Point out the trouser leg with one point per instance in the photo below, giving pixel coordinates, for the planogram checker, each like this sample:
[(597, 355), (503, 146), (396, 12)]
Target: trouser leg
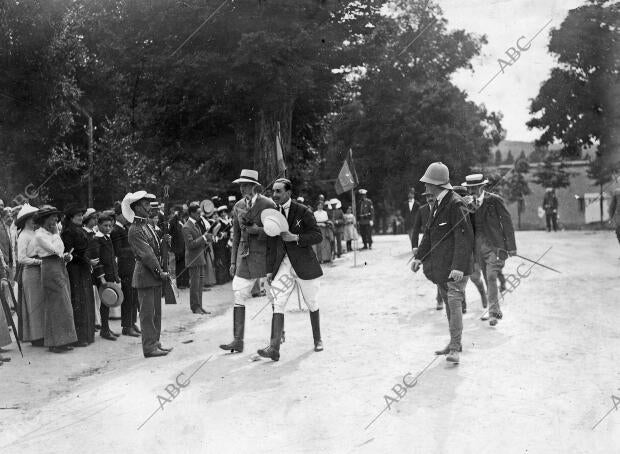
[(493, 265), (195, 287), (104, 312), (150, 317), (456, 295)]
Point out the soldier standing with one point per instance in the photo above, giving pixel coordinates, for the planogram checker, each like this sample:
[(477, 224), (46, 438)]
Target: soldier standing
[(366, 215)]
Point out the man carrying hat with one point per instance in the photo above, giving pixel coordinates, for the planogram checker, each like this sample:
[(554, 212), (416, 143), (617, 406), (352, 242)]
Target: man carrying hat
[(494, 237), (148, 273), (365, 216), (447, 251), (246, 269), (291, 261)]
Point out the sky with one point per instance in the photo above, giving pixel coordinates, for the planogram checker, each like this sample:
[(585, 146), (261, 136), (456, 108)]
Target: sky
[(504, 22)]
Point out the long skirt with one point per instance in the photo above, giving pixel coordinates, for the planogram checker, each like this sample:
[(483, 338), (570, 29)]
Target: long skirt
[(210, 269), (83, 301), (323, 250), (33, 323), (59, 326), (5, 335), (221, 255)]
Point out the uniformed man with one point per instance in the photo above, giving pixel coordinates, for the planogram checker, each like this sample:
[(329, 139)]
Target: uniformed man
[(494, 237), (148, 273), (291, 261), (365, 215), (447, 251)]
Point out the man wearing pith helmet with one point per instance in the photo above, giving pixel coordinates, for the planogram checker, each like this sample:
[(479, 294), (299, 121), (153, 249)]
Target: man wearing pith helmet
[(447, 251)]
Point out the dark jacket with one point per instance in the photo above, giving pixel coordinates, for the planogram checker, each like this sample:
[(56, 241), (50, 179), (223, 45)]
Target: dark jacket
[(122, 249), (493, 223), (254, 265), (176, 234), (550, 203), (366, 213), (337, 217), (107, 266), (76, 238), (410, 214), (195, 244), (146, 249), (448, 241), (421, 218), (301, 222)]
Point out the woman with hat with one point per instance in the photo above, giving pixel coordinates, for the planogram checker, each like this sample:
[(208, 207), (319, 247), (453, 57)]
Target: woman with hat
[(80, 269), (59, 331), (323, 250), (31, 290)]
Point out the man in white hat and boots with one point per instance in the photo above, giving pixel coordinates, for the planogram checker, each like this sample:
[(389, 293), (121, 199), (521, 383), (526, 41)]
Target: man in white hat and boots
[(336, 215), (148, 274), (291, 261), (365, 216), (446, 251), (246, 269), (494, 237)]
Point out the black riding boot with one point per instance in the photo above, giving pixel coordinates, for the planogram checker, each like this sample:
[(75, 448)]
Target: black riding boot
[(316, 331), (238, 330), (273, 350)]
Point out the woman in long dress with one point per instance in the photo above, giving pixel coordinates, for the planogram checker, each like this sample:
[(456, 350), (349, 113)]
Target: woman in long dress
[(80, 275), (350, 233), (323, 250), (58, 314), (33, 324)]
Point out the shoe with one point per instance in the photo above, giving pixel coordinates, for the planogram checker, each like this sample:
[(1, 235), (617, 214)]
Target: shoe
[(4, 360), (453, 357), (57, 350), (439, 306), (130, 332), (493, 320), (37, 343), (80, 344), (200, 311), (154, 353), (108, 335), (66, 347), (114, 334), (446, 350), (238, 328), (164, 349), (316, 331), (365, 247), (273, 350), (485, 316), (136, 329)]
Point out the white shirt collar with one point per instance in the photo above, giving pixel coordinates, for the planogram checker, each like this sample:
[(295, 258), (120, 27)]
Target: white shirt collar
[(287, 205), (481, 198), (441, 195), (88, 229)]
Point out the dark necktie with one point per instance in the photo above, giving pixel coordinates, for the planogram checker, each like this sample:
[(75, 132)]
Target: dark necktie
[(435, 206)]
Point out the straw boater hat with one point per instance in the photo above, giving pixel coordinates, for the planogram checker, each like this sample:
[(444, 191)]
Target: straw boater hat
[(475, 179), (129, 199), (437, 174), (363, 191), (111, 294), (46, 211), (90, 212), (247, 176), (335, 203), (25, 213), (273, 222), (207, 207), (222, 208)]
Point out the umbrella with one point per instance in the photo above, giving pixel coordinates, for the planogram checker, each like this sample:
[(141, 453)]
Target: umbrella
[(7, 310)]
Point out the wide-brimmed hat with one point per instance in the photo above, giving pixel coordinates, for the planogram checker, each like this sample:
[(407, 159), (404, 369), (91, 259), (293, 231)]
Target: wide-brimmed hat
[(247, 176), (300, 199), (222, 208), (72, 209), (437, 174), (335, 203), (475, 179), (128, 200), (111, 294), (46, 211), (363, 191), (27, 211), (207, 207), (273, 222)]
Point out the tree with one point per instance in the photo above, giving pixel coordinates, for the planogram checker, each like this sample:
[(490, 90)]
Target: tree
[(552, 174), (498, 157), (539, 153), (577, 105), (509, 158), (602, 174), (522, 156)]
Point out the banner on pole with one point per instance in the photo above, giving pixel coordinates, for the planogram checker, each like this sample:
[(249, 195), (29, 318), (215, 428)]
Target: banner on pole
[(347, 178)]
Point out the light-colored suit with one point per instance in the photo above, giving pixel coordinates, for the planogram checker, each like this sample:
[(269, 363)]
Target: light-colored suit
[(195, 244)]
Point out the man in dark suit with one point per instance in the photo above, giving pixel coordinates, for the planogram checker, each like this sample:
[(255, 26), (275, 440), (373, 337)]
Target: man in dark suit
[(291, 261), (195, 243), (366, 215), (410, 211), (495, 237), (126, 264), (550, 205), (447, 251), (178, 248), (148, 273)]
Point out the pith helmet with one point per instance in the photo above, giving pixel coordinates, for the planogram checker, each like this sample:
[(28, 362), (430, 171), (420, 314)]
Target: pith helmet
[(437, 174)]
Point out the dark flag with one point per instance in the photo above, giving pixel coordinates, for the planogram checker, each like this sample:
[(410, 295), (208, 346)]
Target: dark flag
[(347, 178)]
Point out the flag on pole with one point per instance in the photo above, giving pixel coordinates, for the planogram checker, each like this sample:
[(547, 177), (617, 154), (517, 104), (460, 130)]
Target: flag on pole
[(347, 178), (280, 154)]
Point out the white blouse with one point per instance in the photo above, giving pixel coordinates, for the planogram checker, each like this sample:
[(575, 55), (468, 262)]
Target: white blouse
[(27, 248), (321, 216), (48, 244)]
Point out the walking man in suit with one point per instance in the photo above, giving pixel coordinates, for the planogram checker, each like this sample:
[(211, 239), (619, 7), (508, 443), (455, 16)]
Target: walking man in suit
[(447, 251), (291, 260), (366, 215), (246, 269), (494, 237), (126, 264), (148, 272), (195, 261), (410, 210)]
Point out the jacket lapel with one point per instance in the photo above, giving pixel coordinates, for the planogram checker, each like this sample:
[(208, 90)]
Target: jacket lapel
[(441, 207)]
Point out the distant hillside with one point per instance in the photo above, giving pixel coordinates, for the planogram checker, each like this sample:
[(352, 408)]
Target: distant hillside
[(516, 147)]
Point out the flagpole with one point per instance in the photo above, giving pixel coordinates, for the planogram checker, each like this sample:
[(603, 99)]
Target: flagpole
[(355, 227)]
